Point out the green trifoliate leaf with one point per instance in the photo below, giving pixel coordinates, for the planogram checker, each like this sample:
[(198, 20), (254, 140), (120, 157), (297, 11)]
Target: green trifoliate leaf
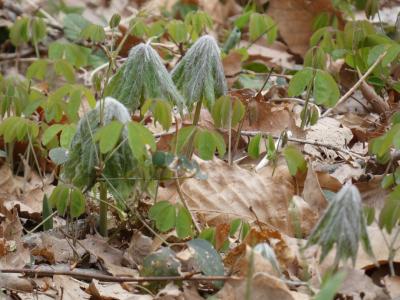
[(84, 152), (342, 224), (200, 75), (142, 77)]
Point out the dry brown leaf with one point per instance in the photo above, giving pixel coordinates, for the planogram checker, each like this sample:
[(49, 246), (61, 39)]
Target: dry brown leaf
[(70, 288), (220, 11), (230, 191), (110, 257), (275, 55), (312, 192), (112, 291), (263, 287), (232, 66), (302, 216), (327, 131), (221, 234), (272, 118), (139, 247), (346, 172), (295, 19), (392, 285), (358, 286)]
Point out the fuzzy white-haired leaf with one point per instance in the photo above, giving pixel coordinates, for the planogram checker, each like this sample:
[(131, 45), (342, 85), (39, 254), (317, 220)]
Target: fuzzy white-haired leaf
[(342, 224), (84, 152), (143, 76), (200, 74)]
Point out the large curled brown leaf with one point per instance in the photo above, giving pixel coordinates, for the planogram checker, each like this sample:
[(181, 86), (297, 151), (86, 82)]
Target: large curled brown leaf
[(295, 19), (230, 191)]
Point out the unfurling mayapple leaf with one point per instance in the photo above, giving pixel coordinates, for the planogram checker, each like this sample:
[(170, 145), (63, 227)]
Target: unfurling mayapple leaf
[(84, 152), (143, 76), (200, 74), (342, 224)]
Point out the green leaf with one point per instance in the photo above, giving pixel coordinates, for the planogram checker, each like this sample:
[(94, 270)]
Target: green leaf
[(219, 143), (391, 54), (155, 210), (108, 136), (315, 58), (207, 259), (77, 203), (254, 146), (138, 137), (37, 70), (331, 286), (19, 32), (67, 134), (185, 134), (64, 68), (234, 227), (390, 214), (161, 263), (114, 21), (295, 160), (299, 82), (221, 111), (93, 32), (184, 223), (59, 198), (177, 30), (58, 155), (326, 90), (166, 220), (260, 25), (73, 25), (208, 234), (51, 132), (205, 144), (38, 30), (162, 113), (46, 213)]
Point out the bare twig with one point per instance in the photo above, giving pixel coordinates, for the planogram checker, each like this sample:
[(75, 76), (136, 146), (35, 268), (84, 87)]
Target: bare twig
[(108, 278), (307, 142), (358, 83)]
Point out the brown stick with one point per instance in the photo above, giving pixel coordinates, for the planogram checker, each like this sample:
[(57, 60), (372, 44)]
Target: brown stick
[(358, 83), (109, 278)]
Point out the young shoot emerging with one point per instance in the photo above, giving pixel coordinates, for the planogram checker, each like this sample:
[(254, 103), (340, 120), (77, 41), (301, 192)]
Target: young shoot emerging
[(342, 224), (82, 166), (143, 76), (200, 74)]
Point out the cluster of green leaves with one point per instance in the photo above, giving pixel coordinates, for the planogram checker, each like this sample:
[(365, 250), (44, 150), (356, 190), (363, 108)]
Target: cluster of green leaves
[(26, 30), (168, 216), (343, 224), (68, 199)]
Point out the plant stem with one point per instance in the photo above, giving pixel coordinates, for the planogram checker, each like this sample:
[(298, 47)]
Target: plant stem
[(103, 209), (196, 119)]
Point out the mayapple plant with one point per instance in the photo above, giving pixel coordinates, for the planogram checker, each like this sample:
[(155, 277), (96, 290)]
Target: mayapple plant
[(93, 156), (200, 74), (143, 76), (342, 224)]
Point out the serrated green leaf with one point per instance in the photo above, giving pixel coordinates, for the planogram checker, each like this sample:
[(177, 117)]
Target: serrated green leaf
[(177, 30), (185, 135), (37, 70), (299, 82), (108, 136), (59, 198), (166, 220), (38, 30), (77, 203), (94, 33), (73, 26), (19, 32), (51, 132), (184, 223), (64, 68), (155, 210), (138, 137), (295, 160), (162, 114), (326, 90), (254, 146)]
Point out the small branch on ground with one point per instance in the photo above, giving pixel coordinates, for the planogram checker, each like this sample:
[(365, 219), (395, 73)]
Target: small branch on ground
[(358, 83), (109, 278)]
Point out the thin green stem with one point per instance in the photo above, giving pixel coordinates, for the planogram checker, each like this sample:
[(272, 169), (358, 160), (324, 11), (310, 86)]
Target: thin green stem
[(103, 209)]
